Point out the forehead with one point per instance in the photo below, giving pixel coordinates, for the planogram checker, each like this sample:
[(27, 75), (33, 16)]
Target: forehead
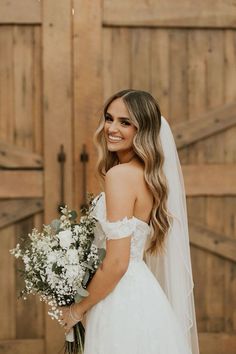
[(118, 108)]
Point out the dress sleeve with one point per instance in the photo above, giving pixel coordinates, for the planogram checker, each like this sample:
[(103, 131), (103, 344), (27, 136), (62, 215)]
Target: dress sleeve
[(107, 229), (118, 229)]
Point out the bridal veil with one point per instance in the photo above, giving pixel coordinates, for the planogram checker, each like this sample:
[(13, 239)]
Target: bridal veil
[(173, 268)]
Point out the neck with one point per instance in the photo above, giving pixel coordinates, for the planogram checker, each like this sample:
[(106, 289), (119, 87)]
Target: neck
[(126, 159)]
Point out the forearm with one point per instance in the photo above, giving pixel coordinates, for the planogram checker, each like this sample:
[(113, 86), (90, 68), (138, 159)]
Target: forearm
[(103, 282)]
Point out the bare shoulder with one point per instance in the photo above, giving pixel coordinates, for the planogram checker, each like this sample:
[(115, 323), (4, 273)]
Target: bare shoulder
[(120, 192), (125, 177), (123, 170)]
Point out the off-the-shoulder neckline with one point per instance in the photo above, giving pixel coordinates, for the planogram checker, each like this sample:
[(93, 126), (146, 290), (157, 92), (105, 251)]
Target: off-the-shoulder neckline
[(140, 220)]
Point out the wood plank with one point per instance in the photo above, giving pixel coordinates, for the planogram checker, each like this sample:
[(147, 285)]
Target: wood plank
[(214, 148), (197, 91), (197, 85), (230, 157), (207, 239), (7, 284), (37, 95), (140, 59), (6, 84), (159, 68), (230, 65), (183, 13), (121, 59), (178, 89), (12, 156), (88, 97), (21, 184), (217, 343), (196, 210), (24, 346), (57, 114), (13, 12), (107, 62), (23, 84), (197, 45), (17, 209), (213, 122), (206, 179)]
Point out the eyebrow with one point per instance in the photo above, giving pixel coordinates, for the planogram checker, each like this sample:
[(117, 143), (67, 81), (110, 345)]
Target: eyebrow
[(127, 118)]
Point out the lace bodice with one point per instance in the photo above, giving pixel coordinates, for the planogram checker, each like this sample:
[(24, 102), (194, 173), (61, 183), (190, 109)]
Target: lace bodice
[(105, 230)]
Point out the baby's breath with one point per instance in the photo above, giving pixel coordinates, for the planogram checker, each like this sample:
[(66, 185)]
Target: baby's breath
[(57, 260)]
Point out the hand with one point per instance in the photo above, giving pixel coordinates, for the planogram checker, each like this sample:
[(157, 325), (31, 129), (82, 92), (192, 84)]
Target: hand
[(70, 316)]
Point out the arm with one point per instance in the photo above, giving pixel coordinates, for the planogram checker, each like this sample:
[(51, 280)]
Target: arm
[(120, 199)]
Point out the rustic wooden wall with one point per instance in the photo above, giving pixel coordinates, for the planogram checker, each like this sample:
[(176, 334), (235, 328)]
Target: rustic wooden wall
[(21, 191), (59, 61)]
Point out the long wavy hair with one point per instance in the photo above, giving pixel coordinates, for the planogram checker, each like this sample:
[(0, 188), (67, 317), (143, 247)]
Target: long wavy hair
[(145, 115)]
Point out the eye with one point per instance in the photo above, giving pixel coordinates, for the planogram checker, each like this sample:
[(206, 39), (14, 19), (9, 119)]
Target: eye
[(125, 123), (108, 117)]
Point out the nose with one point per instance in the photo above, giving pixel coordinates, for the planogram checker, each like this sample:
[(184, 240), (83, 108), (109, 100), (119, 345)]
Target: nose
[(113, 126)]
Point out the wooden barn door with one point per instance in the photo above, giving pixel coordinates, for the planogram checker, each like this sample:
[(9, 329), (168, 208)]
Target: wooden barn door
[(35, 153), (59, 61), (184, 53)]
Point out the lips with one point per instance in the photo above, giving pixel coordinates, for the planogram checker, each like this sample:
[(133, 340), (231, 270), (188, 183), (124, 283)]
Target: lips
[(114, 139)]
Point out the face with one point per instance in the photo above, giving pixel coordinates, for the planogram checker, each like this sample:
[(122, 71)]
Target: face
[(118, 129)]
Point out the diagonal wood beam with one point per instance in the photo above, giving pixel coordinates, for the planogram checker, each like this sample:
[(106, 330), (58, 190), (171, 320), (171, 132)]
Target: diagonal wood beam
[(213, 122), (203, 237), (17, 209), (13, 157)]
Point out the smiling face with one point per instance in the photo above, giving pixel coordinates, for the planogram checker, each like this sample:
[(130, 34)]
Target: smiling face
[(118, 129)]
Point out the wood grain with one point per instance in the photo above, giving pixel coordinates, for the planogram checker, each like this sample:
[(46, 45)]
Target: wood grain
[(11, 11), (17, 209), (12, 156), (204, 179), (24, 346), (21, 184), (87, 105), (213, 122), (209, 240), (57, 119), (7, 284), (184, 13)]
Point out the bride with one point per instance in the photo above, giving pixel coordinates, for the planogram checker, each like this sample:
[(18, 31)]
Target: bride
[(141, 297)]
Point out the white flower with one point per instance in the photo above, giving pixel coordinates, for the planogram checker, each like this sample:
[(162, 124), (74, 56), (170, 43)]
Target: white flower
[(72, 272), (52, 257), (72, 256), (65, 238)]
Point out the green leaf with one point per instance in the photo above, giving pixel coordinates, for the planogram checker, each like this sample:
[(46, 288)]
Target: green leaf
[(86, 277), (56, 269), (78, 298), (55, 224), (73, 214), (81, 293), (87, 265), (101, 253)]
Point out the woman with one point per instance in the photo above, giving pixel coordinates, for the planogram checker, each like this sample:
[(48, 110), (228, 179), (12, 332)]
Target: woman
[(141, 215)]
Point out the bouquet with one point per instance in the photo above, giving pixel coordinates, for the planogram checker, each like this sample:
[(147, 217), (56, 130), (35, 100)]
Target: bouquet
[(58, 264)]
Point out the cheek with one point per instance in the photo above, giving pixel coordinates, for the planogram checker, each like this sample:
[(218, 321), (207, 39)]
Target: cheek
[(131, 133)]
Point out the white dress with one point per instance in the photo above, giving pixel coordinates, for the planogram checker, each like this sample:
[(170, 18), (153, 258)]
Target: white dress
[(136, 317)]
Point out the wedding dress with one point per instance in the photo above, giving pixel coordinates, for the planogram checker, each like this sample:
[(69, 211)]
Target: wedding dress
[(136, 317)]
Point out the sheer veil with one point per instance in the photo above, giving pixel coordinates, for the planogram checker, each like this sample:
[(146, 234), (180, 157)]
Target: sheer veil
[(173, 269)]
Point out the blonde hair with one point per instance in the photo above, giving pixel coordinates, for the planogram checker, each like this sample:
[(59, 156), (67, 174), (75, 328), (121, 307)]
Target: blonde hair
[(145, 115)]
